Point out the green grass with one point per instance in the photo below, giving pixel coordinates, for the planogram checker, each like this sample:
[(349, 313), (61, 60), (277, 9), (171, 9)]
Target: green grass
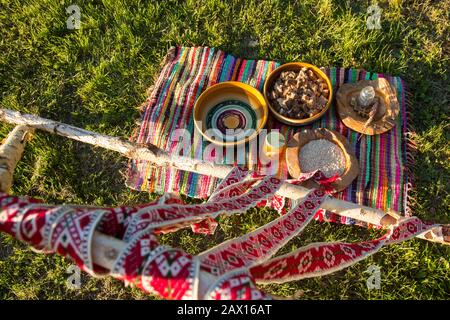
[(96, 78)]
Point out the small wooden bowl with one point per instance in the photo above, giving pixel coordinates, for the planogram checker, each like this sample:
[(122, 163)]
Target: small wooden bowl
[(387, 112), (301, 138), (295, 66), (229, 105)]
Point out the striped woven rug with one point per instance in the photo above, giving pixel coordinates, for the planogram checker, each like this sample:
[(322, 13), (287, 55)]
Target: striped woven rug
[(383, 180)]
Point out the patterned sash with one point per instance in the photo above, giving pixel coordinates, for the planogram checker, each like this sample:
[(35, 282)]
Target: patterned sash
[(228, 271)]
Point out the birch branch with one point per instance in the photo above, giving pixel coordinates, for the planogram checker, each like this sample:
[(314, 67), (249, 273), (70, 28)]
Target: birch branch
[(10, 153), (106, 249), (161, 158)]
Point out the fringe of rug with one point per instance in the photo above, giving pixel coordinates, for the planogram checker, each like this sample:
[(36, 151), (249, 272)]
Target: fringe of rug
[(170, 55), (411, 152)]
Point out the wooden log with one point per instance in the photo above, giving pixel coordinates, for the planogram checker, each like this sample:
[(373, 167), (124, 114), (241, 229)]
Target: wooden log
[(106, 249), (10, 153), (161, 158)]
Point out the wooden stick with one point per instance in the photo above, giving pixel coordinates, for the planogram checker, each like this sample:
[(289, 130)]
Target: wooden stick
[(106, 249), (10, 153), (161, 158)]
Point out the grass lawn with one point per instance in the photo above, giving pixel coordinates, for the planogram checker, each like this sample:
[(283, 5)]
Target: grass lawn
[(96, 77)]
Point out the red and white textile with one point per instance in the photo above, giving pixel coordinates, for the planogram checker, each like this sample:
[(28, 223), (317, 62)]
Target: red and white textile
[(229, 270)]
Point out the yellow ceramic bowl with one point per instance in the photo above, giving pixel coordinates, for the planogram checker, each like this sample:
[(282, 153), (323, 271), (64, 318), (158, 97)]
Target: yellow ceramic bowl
[(295, 66), (230, 113)]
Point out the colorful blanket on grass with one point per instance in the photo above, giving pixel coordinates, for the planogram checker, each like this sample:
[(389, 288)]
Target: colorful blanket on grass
[(384, 177)]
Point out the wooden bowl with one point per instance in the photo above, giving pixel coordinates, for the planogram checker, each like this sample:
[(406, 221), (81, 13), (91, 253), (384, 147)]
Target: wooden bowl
[(387, 112), (301, 138), (295, 66), (230, 105)]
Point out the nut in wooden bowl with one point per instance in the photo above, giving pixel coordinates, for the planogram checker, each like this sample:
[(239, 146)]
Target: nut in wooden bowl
[(298, 93), (322, 147)]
